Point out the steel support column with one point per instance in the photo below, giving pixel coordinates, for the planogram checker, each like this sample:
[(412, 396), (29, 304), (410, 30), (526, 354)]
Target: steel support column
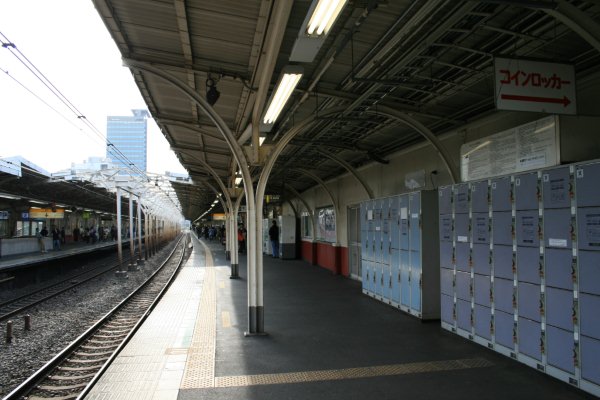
[(132, 260)]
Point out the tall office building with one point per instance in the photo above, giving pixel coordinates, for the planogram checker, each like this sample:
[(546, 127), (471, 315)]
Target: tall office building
[(129, 135)]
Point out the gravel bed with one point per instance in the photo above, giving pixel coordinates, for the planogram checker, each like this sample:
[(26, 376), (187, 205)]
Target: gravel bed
[(61, 320)]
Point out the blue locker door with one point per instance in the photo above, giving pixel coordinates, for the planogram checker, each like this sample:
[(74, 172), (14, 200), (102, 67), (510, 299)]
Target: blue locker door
[(588, 228), (559, 308), (479, 197), (501, 190), (504, 329), (528, 228), (461, 198), (447, 309), (445, 199), (379, 279), (586, 183), (461, 228), (589, 272), (589, 322), (590, 359), (387, 282), (559, 272), (527, 191), (558, 228), (480, 258), (560, 347), (481, 290), (530, 338), (480, 228), (372, 278), (503, 295), (395, 276), (463, 314), (415, 221), (502, 228), (378, 231), (404, 215), (394, 223), (385, 232), (503, 259), (528, 264), (415, 281), (463, 285), (367, 275), (404, 278), (529, 297), (463, 257), (556, 188), (447, 282), (446, 255), (446, 228), (482, 318), (363, 217)]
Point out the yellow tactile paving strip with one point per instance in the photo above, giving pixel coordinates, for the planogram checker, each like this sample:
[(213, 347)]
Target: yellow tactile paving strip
[(350, 373), (200, 365)]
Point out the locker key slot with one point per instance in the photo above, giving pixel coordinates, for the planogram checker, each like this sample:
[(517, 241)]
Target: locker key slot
[(542, 344), (574, 312), (515, 336), (514, 299), (492, 325), (542, 310), (574, 271), (576, 354), (541, 267)]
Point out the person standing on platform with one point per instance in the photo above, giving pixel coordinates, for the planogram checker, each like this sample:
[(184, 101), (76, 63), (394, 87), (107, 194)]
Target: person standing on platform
[(241, 239), (55, 239), (40, 239), (63, 237), (274, 238)]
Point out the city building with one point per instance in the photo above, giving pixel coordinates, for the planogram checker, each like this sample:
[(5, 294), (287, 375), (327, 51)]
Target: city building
[(127, 141)]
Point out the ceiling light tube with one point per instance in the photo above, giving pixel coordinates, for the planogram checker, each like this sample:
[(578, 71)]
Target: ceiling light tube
[(323, 16), (287, 83), (238, 180), (9, 196)]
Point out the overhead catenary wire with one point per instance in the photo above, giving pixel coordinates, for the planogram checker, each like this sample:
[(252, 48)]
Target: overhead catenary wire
[(10, 46)]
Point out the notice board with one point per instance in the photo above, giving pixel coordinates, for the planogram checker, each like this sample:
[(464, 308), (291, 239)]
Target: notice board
[(530, 146)]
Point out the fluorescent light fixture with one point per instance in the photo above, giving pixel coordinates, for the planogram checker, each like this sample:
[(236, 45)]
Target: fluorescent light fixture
[(37, 202), (285, 87), (261, 139), (238, 180), (35, 208), (66, 210), (323, 16), (9, 196)]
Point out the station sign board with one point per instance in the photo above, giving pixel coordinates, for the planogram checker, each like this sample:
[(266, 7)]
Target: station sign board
[(218, 217), (524, 85), (4, 214), (48, 213)]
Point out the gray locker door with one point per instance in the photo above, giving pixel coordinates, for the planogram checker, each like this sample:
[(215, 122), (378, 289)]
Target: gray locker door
[(503, 295), (589, 323), (588, 228), (447, 309), (558, 265), (364, 272), (560, 347), (526, 191), (395, 275), (502, 228), (527, 228), (481, 289), (463, 285), (480, 257), (461, 198), (586, 185), (404, 280), (479, 196), (504, 327), (529, 297), (404, 216), (445, 199), (503, 261), (590, 359), (481, 228), (415, 231), (559, 308), (501, 194), (557, 228), (556, 188), (446, 233), (463, 314), (461, 228), (528, 264), (447, 281), (589, 272), (482, 318), (462, 256), (446, 255), (530, 338)]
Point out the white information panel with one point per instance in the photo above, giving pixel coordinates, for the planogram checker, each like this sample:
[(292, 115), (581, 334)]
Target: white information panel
[(531, 146), (524, 85)]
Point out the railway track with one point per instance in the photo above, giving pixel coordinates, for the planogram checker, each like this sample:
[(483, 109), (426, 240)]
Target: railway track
[(74, 371), (20, 304)]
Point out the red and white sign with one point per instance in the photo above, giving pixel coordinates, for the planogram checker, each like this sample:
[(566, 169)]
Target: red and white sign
[(524, 85)]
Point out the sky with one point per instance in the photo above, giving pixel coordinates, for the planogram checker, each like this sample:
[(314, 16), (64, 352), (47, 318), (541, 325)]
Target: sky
[(67, 41)]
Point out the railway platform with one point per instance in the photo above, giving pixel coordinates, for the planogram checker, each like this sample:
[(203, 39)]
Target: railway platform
[(325, 341)]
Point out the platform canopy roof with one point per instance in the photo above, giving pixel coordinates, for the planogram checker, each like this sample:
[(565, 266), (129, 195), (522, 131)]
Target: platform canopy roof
[(429, 60)]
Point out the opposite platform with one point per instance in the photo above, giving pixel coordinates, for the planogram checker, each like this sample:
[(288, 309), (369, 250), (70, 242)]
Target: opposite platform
[(326, 341)]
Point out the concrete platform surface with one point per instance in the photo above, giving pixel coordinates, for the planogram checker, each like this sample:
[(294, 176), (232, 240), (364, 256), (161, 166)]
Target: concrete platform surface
[(326, 340)]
